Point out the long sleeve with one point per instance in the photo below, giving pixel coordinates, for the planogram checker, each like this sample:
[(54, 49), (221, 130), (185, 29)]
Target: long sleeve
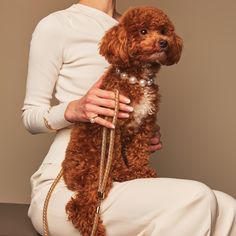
[(45, 61)]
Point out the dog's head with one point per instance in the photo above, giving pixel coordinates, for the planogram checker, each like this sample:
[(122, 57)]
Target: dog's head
[(143, 35)]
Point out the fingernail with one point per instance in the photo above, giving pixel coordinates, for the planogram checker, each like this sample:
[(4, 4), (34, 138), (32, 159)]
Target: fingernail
[(130, 108), (112, 126), (125, 115), (127, 100)]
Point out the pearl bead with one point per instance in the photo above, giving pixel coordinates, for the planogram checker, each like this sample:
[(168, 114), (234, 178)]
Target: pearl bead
[(132, 80), (150, 82), (124, 75), (142, 82)]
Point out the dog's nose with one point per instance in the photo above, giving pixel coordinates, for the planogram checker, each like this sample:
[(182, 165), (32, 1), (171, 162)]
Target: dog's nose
[(163, 44)]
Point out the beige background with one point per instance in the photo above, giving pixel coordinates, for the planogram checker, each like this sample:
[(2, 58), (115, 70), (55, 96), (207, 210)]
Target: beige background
[(198, 112)]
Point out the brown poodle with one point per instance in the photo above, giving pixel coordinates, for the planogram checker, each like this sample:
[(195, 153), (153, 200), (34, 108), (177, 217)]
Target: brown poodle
[(136, 48)]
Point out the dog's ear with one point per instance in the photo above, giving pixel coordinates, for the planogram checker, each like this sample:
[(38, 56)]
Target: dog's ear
[(114, 46), (176, 49)]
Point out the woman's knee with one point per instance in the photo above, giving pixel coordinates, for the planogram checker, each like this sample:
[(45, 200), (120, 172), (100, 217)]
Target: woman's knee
[(203, 197), (204, 191), (226, 203)]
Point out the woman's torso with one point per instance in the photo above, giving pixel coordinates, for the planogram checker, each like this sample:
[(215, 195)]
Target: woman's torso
[(82, 64)]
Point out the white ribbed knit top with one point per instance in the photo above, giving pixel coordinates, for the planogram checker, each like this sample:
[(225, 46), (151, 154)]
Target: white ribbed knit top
[(63, 55)]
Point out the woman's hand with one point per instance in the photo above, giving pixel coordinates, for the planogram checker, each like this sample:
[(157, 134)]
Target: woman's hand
[(97, 102), (155, 142)]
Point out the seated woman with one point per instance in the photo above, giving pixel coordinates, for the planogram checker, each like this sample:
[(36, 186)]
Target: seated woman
[(64, 54)]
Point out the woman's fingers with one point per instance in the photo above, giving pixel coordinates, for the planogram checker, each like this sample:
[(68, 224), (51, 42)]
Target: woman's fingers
[(156, 139), (155, 142), (99, 120), (94, 109), (104, 122), (156, 147), (109, 103), (108, 95), (101, 102), (98, 102)]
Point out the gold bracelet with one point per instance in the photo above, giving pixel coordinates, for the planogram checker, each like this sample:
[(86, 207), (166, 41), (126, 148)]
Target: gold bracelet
[(47, 125)]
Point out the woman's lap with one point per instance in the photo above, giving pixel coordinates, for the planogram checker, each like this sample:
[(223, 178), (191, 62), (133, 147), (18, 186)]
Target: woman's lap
[(153, 206), (150, 207)]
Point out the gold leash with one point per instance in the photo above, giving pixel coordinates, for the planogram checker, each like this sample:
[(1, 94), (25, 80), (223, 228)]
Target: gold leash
[(46, 202), (104, 172)]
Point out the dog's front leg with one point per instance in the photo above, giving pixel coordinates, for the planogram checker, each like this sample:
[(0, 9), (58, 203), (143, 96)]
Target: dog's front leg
[(137, 152)]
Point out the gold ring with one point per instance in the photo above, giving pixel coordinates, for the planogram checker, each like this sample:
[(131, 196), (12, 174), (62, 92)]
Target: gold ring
[(92, 119)]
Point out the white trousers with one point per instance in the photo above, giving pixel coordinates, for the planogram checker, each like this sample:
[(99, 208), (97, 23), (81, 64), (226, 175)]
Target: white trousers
[(142, 207)]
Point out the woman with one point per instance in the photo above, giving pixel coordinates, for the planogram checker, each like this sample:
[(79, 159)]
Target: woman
[(64, 54)]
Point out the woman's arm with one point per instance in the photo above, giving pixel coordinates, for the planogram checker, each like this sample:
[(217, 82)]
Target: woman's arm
[(45, 61)]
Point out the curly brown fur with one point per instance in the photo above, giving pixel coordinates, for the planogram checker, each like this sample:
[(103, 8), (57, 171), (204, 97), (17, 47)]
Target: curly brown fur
[(143, 41)]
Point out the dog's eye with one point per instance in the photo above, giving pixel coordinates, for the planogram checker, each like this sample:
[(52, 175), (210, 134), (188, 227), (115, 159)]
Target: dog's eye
[(143, 31), (163, 31)]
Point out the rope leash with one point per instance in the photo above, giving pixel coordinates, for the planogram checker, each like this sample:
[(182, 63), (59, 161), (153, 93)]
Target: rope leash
[(46, 202), (104, 172)]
